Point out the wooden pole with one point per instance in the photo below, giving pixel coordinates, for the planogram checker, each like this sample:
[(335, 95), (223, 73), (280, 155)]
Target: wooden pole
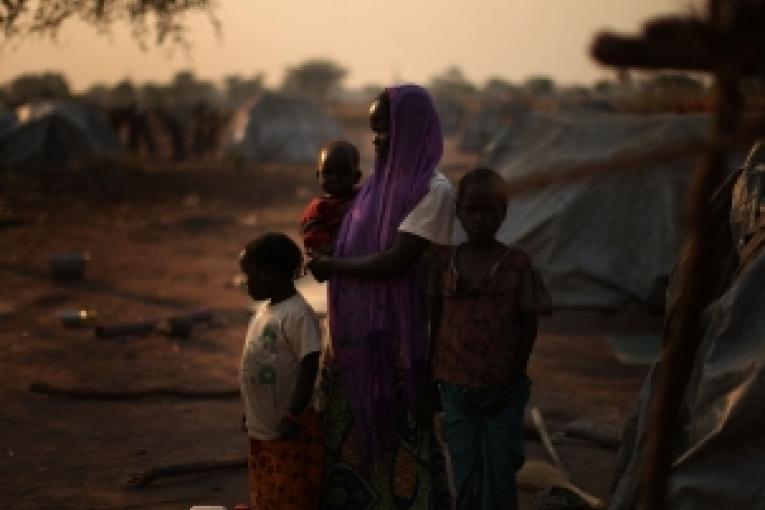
[(697, 288)]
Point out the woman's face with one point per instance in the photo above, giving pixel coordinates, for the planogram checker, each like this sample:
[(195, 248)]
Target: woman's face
[(379, 122)]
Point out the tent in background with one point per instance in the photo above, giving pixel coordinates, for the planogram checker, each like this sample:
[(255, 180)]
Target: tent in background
[(53, 135), (719, 455), (284, 128), (605, 242), (492, 118)]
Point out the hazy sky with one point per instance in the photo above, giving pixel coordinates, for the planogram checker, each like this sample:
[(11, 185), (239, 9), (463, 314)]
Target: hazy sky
[(378, 41)]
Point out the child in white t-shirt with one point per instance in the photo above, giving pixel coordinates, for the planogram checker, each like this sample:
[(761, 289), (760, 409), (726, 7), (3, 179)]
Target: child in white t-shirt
[(278, 372)]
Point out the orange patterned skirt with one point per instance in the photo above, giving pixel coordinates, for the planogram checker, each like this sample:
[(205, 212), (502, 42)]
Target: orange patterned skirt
[(287, 474)]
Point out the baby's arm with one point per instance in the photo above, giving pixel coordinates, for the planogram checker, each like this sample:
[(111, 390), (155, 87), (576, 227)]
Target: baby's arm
[(406, 249), (301, 396)]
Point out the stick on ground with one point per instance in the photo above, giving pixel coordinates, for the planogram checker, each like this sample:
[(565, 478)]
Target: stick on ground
[(536, 418), (536, 475), (82, 393), (154, 473), (599, 433)]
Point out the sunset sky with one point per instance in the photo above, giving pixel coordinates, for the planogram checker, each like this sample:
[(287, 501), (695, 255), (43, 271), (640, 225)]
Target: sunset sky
[(378, 42)]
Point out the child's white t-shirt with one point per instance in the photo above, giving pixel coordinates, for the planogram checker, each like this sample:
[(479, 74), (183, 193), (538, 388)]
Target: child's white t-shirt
[(433, 216), (278, 337)]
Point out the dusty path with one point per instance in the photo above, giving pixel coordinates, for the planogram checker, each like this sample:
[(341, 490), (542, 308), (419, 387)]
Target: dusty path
[(163, 244)]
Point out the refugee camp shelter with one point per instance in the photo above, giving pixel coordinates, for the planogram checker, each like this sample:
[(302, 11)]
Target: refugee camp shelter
[(602, 242), (51, 135), (285, 128), (490, 119), (719, 456)]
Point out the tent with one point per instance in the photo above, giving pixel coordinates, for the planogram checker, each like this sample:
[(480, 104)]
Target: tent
[(719, 454), (54, 135), (490, 119), (285, 128), (606, 242)]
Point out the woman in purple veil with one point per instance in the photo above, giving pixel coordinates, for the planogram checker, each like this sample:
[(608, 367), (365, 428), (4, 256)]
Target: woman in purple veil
[(378, 457)]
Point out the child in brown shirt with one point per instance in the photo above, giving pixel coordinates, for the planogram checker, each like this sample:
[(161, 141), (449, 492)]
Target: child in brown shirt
[(490, 299)]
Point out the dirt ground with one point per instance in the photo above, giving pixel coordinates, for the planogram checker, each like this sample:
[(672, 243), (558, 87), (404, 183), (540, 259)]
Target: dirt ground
[(164, 242)]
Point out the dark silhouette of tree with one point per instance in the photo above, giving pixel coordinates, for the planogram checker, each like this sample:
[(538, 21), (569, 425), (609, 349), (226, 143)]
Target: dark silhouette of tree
[(187, 89), (314, 78), (239, 89), (604, 86), (451, 82), (540, 85), (496, 88), (674, 81), (154, 95), (30, 87), (124, 93), (452, 92), (162, 18), (97, 94)]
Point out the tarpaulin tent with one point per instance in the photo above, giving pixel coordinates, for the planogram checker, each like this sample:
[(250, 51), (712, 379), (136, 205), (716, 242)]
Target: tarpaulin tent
[(719, 454), (601, 242), (285, 128), (54, 135)]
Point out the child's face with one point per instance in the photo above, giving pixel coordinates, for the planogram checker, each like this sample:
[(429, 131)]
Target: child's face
[(259, 282), (481, 212), (336, 175), (379, 123)]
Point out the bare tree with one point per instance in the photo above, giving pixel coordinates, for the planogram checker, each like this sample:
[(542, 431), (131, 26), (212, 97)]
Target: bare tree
[(240, 89), (162, 18), (314, 78), (539, 85), (452, 92), (35, 87)]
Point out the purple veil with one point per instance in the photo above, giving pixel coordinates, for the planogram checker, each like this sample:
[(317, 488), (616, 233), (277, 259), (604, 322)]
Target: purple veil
[(378, 325)]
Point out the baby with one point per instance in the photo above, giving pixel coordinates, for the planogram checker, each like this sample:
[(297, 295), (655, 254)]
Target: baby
[(338, 173)]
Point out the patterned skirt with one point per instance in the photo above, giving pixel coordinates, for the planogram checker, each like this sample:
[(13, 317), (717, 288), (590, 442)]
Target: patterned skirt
[(410, 476), (286, 474)]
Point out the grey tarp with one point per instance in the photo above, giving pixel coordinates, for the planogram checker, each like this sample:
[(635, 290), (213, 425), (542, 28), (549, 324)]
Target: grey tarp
[(286, 129), (482, 126), (606, 242), (720, 457), (53, 135)]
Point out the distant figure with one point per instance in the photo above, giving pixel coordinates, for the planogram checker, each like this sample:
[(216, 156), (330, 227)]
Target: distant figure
[(173, 125), (338, 174), (135, 121), (205, 129), (278, 371), (485, 328)]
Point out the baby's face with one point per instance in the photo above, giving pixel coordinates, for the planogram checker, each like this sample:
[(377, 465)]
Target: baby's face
[(336, 177)]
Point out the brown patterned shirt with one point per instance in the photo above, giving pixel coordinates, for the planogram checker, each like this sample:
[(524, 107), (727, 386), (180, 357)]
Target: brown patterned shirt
[(479, 331)]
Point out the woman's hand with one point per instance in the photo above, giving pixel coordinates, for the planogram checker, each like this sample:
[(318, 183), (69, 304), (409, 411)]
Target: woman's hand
[(320, 267)]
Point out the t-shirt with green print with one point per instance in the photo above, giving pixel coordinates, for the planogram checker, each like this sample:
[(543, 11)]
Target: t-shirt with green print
[(278, 337)]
